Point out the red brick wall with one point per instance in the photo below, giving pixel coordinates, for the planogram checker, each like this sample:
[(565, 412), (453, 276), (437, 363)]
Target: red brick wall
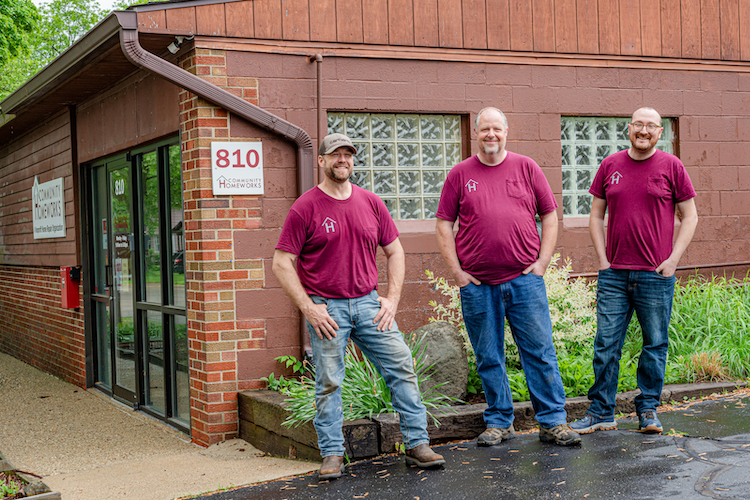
[(229, 347), (34, 328), (712, 110)]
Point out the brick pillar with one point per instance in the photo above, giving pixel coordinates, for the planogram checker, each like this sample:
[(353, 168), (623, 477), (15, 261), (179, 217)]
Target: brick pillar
[(212, 272)]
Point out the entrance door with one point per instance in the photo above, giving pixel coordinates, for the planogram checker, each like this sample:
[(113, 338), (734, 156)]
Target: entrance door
[(113, 285), (138, 299)]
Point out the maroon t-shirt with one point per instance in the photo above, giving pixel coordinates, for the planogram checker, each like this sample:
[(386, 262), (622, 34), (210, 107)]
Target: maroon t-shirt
[(641, 197), (495, 206), (336, 241)]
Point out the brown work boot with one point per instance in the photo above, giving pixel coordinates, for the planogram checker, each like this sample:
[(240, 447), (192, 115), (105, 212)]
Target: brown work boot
[(332, 468), (423, 457)]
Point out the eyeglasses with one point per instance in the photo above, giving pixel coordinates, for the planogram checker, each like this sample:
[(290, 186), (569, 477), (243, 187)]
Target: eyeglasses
[(651, 127)]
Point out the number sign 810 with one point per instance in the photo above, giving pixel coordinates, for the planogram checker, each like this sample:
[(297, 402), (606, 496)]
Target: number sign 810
[(252, 159)]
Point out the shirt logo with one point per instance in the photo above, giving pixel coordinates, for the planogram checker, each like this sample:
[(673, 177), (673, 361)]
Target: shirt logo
[(329, 225), (615, 179), (472, 185)]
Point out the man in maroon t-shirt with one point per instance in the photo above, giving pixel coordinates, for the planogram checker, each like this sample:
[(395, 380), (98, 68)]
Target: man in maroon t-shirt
[(641, 187), (325, 261), (498, 261)]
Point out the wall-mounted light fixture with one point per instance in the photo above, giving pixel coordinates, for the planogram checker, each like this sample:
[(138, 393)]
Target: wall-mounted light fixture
[(174, 47)]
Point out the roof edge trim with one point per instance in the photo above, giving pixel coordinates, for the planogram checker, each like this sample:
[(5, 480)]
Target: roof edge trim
[(102, 32), (176, 5)]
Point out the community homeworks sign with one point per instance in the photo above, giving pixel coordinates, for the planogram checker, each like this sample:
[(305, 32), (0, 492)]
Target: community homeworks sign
[(48, 201), (237, 167)]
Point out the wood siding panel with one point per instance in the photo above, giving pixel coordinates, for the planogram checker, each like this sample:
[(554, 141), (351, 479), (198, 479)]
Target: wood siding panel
[(475, 24), (671, 29), (630, 28), (609, 27), (566, 36), (450, 23), (349, 21), (267, 17), (587, 13), (730, 30), (651, 28), (710, 30), (745, 29), (521, 25), (498, 26), (323, 21), (153, 20), (240, 19), (182, 20), (209, 20), (691, 28), (401, 22), (426, 23), (295, 19), (543, 12), (376, 25)]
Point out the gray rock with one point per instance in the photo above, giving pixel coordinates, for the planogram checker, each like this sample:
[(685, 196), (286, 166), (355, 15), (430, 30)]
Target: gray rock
[(445, 351)]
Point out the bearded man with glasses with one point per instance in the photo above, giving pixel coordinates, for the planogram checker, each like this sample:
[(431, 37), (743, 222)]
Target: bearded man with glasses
[(637, 263)]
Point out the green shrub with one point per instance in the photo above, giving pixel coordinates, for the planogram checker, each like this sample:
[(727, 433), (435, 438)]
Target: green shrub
[(363, 391), (709, 333)]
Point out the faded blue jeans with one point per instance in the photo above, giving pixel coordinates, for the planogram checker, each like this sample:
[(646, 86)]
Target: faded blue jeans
[(389, 354), (619, 293), (523, 301)]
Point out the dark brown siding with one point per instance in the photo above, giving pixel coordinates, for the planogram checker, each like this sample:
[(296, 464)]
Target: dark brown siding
[(44, 152), (138, 110), (690, 29)]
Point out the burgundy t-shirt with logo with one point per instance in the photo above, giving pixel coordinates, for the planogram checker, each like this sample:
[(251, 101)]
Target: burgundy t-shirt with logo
[(495, 206), (336, 241), (641, 197)]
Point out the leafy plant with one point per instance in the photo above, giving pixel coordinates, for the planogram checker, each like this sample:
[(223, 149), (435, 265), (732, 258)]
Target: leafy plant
[(363, 392), (10, 485), (709, 334)]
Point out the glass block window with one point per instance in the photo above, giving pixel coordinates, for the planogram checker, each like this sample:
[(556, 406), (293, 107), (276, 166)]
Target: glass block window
[(585, 143), (402, 158)]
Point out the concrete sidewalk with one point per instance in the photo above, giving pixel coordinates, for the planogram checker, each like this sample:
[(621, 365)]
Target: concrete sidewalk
[(89, 447)]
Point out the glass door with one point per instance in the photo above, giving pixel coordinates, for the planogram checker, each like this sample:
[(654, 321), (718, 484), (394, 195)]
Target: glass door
[(112, 291), (138, 296)]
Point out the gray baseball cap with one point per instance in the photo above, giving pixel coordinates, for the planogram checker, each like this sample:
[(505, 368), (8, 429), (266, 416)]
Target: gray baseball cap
[(334, 141)]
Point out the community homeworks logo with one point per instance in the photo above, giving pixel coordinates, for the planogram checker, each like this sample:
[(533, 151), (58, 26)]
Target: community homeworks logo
[(472, 185), (329, 224), (615, 179)]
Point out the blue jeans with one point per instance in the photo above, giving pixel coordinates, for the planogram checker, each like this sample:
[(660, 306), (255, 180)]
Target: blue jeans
[(619, 293), (523, 301), (389, 354)]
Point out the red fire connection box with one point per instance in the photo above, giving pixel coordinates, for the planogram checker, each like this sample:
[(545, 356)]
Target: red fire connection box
[(70, 278)]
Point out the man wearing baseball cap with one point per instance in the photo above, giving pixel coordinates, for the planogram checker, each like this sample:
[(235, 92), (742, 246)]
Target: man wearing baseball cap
[(325, 261)]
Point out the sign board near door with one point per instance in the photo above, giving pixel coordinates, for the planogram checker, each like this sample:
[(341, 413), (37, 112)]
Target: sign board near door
[(237, 167), (48, 208)]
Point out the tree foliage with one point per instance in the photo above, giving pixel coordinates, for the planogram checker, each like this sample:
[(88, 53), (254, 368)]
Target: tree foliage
[(30, 38), (17, 21)]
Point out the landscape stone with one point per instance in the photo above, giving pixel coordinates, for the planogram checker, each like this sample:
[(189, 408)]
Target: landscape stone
[(444, 349)]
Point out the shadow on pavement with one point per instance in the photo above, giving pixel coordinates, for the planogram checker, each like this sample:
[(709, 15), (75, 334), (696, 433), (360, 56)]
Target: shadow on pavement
[(704, 453)]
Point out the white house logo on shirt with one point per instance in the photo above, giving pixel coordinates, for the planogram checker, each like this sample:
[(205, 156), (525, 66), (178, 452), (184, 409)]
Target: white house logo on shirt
[(329, 225), (615, 179), (472, 185)]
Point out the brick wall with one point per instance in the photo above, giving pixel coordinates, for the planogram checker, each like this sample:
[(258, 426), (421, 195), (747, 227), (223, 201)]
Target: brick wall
[(217, 272), (33, 326)]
